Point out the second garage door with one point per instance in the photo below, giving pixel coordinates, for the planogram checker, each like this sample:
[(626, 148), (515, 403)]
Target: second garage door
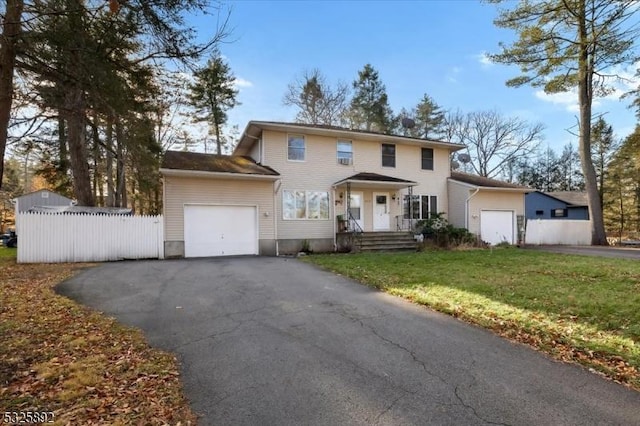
[(496, 226), (220, 230)]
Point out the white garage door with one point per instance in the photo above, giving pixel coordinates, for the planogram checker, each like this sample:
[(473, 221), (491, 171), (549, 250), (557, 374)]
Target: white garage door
[(496, 226), (220, 231)]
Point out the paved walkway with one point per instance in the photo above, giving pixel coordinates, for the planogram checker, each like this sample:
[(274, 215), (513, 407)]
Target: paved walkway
[(274, 341)]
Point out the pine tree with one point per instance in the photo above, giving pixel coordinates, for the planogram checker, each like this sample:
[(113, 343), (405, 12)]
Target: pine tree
[(564, 45), (369, 106), (213, 94)]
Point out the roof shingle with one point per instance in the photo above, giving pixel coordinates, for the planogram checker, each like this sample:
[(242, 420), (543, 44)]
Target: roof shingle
[(483, 181), (195, 161)]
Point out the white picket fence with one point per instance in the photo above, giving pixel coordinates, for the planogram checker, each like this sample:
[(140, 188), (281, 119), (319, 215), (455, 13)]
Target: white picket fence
[(558, 232), (52, 237)]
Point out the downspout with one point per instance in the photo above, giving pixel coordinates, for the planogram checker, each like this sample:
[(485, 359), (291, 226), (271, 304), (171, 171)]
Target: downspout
[(276, 188), (466, 208), (335, 241)]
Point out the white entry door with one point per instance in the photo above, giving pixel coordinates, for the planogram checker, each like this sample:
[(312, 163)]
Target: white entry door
[(381, 217), (496, 226), (220, 230), (355, 208)]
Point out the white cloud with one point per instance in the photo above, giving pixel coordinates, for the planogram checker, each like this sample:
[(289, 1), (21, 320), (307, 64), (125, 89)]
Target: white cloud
[(485, 61), (625, 80), (241, 82), (567, 99), (453, 73)]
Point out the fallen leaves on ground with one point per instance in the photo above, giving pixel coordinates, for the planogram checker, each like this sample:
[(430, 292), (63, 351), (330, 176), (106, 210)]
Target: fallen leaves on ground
[(85, 367)]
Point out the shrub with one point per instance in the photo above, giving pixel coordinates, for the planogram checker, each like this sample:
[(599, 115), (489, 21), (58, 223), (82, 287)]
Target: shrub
[(439, 232)]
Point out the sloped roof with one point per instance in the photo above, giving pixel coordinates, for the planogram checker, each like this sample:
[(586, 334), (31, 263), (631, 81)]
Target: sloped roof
[(375, 177), (573, 198), (254, 130), (195, 161), (484, 182)]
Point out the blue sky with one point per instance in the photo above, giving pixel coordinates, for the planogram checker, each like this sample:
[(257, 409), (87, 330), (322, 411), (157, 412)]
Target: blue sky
[(434, 47)]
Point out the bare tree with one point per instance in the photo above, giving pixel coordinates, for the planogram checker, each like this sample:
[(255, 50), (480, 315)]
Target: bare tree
[(317, 101), (493, 141)]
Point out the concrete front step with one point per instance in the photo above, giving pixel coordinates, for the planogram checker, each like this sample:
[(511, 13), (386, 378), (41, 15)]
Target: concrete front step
[(387, 241)]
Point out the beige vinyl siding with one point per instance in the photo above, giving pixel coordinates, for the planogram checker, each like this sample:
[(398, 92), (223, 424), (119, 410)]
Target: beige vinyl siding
[(458, 195), (179, 191), (493, 200), (255, 152), (321, 170)]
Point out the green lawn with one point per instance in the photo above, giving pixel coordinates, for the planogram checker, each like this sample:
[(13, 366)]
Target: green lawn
[(8, 253), (576, 308)]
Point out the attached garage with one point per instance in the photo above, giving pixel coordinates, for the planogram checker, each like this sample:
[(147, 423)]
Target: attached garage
[(496, 226), (489, 208), (218, 205), (220, 230)]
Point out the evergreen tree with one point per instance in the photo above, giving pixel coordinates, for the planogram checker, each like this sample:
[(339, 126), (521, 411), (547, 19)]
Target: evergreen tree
[(369, 106), (571, 44), (429, 118), (602, 148), (213, 94)]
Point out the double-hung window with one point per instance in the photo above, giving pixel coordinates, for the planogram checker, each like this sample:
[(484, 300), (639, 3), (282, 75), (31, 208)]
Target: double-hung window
[(345, 152), (427, 158), (388, 155), (420, 207), (296, 148), (312, 205)]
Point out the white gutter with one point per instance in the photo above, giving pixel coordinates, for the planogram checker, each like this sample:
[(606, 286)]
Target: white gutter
[(466, 208), (217, 175)]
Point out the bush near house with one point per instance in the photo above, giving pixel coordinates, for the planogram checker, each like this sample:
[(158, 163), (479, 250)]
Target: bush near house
[(85, 368), (438, 232), (574, 308)]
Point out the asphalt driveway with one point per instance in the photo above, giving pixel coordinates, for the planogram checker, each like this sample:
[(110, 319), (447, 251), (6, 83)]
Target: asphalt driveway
[(274, 341), (597, 251)]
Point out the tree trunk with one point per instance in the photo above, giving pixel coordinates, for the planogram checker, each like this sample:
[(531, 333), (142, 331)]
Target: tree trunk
[(97, 176), (75, 116), (10, 31), (585, 97), (121, 185), (110, 201), (63, 154)]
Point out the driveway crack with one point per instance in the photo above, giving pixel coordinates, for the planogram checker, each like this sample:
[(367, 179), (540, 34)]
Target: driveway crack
[(473, 410)]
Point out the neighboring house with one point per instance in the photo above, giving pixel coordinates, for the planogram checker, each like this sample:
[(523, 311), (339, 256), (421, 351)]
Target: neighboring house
[(43, 198), (557, 205), (490, 208)]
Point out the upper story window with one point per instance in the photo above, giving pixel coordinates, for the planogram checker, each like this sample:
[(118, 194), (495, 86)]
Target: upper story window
[(427, 158), (296, 148), (388, 155), (345, 152)]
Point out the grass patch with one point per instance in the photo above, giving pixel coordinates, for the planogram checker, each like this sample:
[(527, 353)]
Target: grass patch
[(8, 253), (86, 368), (575, 308)]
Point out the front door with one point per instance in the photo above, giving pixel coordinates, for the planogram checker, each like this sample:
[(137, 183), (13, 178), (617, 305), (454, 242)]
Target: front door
[(381, 211), (355, 209)]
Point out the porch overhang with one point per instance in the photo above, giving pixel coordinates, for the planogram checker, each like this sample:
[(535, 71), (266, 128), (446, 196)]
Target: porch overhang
[(375, 180)]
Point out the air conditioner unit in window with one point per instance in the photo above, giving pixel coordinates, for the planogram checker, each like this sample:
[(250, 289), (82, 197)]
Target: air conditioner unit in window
[(345, 161)]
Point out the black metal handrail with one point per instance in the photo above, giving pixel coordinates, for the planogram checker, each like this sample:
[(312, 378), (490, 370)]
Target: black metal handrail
[(355, 228)]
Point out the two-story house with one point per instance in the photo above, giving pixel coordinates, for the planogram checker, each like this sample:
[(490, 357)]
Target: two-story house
[(289, 185)]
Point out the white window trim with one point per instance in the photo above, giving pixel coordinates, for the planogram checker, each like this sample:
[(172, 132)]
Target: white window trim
[(395, 155), (420, 204), (304, 139), (306, 201), (433, 159), (338, 141)]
